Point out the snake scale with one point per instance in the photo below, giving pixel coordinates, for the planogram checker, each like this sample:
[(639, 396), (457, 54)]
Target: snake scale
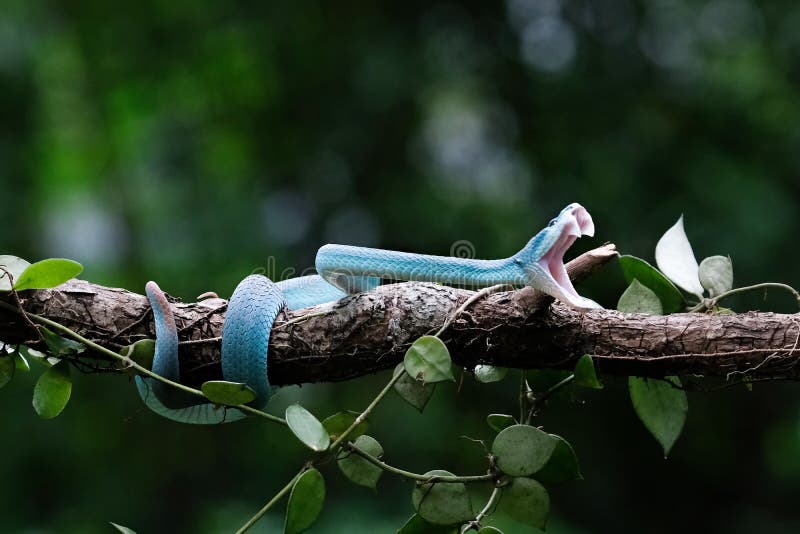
[(343, 270)]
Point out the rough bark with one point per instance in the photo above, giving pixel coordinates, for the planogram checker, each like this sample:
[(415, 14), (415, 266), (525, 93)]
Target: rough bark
[(369, 332)]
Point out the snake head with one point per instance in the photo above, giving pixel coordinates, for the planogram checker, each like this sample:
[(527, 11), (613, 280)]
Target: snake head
[(542, 259)]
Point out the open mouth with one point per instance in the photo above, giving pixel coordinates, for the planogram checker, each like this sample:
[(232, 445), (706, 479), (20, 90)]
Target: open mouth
[(578, 223)]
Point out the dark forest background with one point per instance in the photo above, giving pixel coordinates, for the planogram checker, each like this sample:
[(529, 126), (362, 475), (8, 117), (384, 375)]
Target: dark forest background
[(191, 142)]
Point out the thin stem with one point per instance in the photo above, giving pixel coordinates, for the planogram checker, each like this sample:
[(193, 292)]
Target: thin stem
[(416, 476), (15, 294), (540, 399), (302, 318), (467, 303), (491, 503), (360, 419), (547, 394), (131, 363), (708, 303), (278, 496)]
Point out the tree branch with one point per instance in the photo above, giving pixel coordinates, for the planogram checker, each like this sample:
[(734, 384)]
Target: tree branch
[(369, 332)]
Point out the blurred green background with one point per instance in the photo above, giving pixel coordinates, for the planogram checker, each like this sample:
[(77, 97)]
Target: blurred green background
[(191, 142)]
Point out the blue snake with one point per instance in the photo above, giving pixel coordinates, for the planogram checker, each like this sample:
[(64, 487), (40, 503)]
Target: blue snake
[(343, 270)]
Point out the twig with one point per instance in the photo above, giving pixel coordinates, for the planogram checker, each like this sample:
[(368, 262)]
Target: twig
[(427, 479), (494, 498), (278, 496), (363, 415), (539, 400), (19, 302), (707, 304), (467, 303), (302, 318)]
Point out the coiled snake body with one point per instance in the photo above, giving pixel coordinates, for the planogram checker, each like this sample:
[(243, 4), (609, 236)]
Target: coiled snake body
[(343, 270)]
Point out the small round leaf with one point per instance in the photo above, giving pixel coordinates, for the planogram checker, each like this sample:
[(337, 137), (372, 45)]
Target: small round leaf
[(638, 298), (307, 428), (634, 268), (526, 501), (305, 502), (60, 346), (414, 392), (14, 265), (585, 375), (227, 393), (442, 503), (486, 374), (499, 421), (339, 422), (661, 407), (48, 273), (716, 274), (522, 450), (562, 465), (359, 470), (428, 360), (52, 391)]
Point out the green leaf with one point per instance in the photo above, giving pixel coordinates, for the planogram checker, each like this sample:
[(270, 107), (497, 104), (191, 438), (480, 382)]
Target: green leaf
[(716, 274), (16, 266), (359, 470), (7, 368), (562, 465), (305, 502), (638, 298), (48, 273), (522, 450), (60, 346), (307, 428), (34, 355), (442, 503), (120, 528), (141, 352), (675, 258), (428, 360), (490, 530), (486, 374), (20, 362), (52, 391), (228, 393), (339, 422), (499, 421), (414, 392), (585, 375), (634, 268), (526, 501), (661, 407), (417, 525)]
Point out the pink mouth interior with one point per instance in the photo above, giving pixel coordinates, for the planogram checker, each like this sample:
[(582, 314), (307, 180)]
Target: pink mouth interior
[(579, 224)]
